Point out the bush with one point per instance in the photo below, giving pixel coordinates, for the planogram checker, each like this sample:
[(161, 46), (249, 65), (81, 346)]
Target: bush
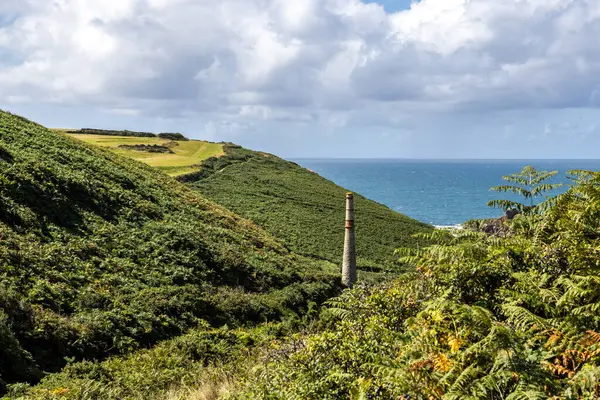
[(152, 373), (173, 136), (17, 364), (105, 132)]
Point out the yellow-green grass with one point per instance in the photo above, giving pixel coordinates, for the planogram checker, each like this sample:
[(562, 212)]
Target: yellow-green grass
[(188, 155)]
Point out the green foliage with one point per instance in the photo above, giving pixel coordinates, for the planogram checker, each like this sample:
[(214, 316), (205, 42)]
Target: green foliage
[(17, 364), (482, 317), (153, 373), (149, 148), (302, 208), (173, 136), (530, 184), (165, 135), (105, 132), (102, 255)]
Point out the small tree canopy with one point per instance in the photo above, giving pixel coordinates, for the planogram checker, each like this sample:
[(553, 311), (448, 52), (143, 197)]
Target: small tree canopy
[(530, 184)]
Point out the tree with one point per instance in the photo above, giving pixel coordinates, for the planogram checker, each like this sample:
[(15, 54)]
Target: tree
[(529, 183)]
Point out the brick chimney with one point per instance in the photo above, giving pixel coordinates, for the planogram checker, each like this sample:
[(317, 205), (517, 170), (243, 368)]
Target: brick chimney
[(349, 262)]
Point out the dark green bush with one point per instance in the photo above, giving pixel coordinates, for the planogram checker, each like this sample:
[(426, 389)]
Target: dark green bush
[(17, 365), (173, 136), (151, 373), (91, 131)]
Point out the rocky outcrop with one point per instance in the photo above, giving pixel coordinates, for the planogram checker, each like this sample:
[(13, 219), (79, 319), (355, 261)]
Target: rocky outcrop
[(494, 226), (511, 214)]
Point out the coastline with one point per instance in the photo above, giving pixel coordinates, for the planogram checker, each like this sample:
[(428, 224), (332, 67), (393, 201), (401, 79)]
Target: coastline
[(449, 227)]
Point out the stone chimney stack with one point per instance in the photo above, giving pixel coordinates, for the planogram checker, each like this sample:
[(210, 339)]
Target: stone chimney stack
[(349, 262)]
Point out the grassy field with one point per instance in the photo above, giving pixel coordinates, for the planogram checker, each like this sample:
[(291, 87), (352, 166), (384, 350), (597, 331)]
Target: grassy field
[(185, 160)]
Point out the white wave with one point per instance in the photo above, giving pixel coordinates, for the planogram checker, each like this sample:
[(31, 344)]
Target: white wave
[(448, 227)]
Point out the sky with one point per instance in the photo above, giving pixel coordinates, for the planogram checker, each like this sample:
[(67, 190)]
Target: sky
[(315, 78)]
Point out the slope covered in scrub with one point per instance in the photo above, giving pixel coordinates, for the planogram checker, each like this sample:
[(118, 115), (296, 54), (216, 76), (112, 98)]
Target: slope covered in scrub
[(302, 208), (511, 315), (101, 255)]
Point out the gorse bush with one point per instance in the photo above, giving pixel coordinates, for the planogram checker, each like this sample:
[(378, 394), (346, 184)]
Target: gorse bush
[(482, 317), (102, 255)]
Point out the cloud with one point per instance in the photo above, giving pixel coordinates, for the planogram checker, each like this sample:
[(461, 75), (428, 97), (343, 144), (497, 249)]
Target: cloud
[(330, 63)]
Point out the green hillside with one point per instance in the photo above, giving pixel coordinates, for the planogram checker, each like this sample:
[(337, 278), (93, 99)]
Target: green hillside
[(299, 207), (102, 255), (513, 315), (302, 208)]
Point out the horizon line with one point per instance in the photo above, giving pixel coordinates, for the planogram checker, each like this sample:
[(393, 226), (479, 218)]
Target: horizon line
[(444, 159)]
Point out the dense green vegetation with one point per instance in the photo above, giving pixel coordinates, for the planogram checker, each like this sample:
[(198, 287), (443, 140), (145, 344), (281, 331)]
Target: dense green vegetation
[(481, 317), (108, 132), (148, 148), (173, 136), (130, 285), (126, 133), (302, 208), (102, 255), (207, 358), (297, 206)]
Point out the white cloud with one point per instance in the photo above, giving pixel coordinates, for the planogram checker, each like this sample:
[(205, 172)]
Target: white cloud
[(332, 63)]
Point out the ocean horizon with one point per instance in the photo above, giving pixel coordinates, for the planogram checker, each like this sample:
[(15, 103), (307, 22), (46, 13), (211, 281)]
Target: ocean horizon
[(441, 192)]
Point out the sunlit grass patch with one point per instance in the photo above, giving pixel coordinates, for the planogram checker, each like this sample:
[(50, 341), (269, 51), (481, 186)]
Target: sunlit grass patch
[(185, 156)]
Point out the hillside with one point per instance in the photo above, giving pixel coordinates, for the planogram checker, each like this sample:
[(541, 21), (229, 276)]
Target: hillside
[(299, 207), (302, 208), (482, 316), (176, 157), (102, 255), (512, 316)]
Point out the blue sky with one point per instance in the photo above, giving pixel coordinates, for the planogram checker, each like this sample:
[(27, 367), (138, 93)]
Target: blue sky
[(315, 78), (393, 5)]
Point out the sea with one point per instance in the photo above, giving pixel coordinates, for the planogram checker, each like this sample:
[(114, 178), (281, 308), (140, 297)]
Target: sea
[(438, 192)]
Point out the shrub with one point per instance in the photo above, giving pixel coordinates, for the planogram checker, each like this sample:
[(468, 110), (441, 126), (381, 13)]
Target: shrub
[(173, 136), (91, 131)]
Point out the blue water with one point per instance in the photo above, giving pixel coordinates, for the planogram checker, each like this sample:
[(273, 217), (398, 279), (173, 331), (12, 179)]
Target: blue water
[(445, 192)]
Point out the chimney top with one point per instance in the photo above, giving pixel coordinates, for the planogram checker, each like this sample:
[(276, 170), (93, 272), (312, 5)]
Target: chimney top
[(349, 195)]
